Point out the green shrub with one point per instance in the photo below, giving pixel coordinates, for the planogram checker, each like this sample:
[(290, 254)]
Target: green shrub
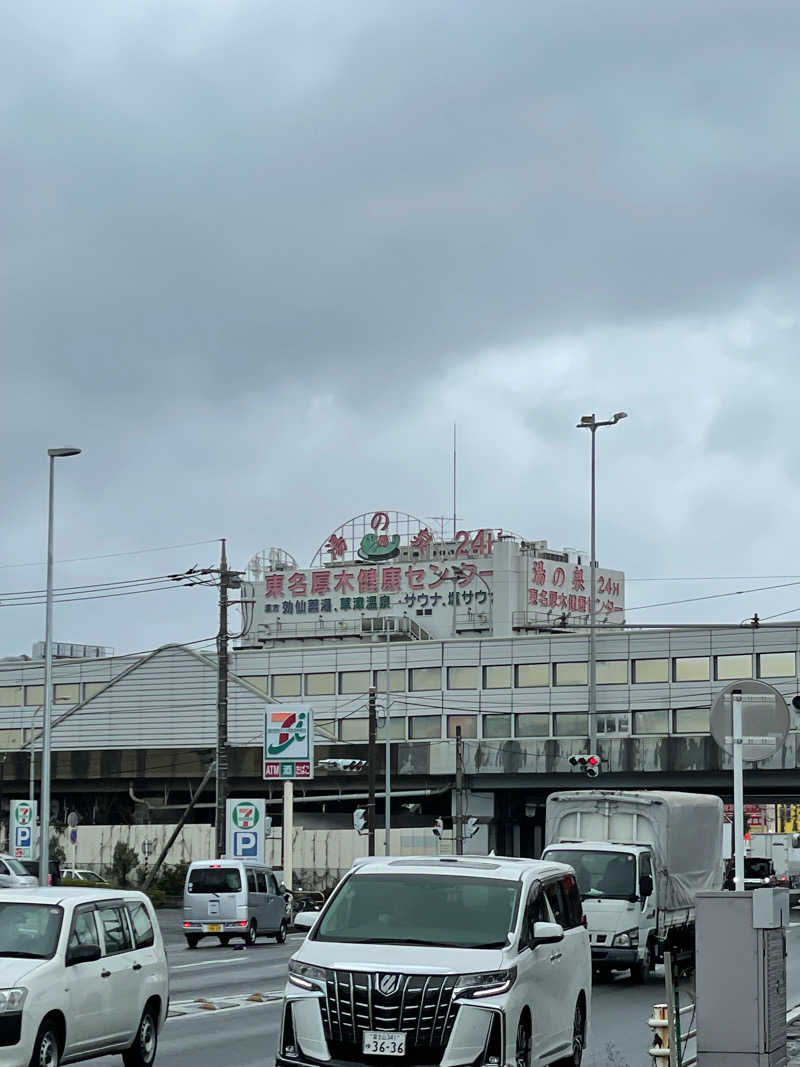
[(171, 879), (157, 896), (123, 863)]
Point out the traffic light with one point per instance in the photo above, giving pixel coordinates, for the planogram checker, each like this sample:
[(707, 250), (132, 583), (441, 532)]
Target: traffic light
[(351, 765), (360, 820), (438, 827), (471, 826), (590, 765)]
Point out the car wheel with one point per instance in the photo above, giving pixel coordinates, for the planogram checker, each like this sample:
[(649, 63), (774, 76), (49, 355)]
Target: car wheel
[(46, 1050), (522, 1048), (142, 1052), (224, 939), (280, 937), (252, 933), (192, 939), (575, 1058)]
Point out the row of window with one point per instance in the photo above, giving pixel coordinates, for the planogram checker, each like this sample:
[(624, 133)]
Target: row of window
[(530, 675), (501, 676), (508, 725), (15, 696)]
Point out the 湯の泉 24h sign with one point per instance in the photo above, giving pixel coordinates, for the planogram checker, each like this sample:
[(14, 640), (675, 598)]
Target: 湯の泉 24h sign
[(289, 742)]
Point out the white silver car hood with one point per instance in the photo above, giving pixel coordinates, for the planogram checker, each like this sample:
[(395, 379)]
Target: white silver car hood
[(13, 971), (402, 959)]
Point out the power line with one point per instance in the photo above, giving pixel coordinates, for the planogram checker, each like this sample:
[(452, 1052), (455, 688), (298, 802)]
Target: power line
[(113, 555), (712, 596)]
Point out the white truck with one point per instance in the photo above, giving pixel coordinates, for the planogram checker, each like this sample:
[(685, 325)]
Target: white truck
[(640, 858)]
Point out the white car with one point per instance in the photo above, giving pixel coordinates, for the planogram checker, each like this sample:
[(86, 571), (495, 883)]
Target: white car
[(452, 960), (83, 972), (83, 874)]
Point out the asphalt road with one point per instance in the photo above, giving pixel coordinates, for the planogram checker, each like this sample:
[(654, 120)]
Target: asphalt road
[(213, 1022)]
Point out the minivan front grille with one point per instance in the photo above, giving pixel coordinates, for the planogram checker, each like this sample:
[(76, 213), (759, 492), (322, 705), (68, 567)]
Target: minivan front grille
[(420, 1005)]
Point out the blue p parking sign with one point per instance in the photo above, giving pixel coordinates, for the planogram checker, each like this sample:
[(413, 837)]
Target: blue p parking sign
[(245, 844), (23, 836)]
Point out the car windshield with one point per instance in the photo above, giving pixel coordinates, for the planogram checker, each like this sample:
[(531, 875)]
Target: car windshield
[(601, 874), (214, 880), (16, 867), (757, 868), (29, 930), (458, 911)]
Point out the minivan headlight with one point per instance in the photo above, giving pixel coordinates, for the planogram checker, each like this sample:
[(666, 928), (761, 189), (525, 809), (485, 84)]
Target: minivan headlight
[(306, 975), (627, 939), (488, 984), (12, 999)]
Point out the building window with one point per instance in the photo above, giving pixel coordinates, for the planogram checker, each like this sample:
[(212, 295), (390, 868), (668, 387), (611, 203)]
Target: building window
[(692, 720), (612, 672), (91, 689), (67, 692), (354, 729), (321, 685), (497, 726), (462, 677), (398, 729), (617, 722), (34, 695), (775, 665), (468, 724), (424, 726), (286, 685), (650, 670), (531, 674), (354, 681), (325, 729), (532, 725), (397, 680), (258, 681), (571, 724), (651, 722), (572, 673), (423, 678), (727, 668), (497, 677), (691, 669), (10, 696)]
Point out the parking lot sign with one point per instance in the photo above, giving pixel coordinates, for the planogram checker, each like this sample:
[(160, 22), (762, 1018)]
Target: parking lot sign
[(246, 827), (22, 829)]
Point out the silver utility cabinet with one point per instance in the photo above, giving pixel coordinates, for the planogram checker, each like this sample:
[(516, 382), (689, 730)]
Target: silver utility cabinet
[(741, 978)]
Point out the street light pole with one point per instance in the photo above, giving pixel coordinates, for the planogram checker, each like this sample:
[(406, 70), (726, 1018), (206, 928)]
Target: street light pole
[(590, 422), (44, 803)]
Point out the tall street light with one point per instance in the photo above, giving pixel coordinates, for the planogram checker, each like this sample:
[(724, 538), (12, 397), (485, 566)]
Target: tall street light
[(590, 422), (44, 802)]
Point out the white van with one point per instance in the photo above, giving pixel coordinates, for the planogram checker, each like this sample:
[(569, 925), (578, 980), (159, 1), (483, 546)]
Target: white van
[(450, 959), (233, 898)]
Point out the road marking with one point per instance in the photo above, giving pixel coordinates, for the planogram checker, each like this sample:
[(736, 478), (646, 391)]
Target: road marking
[(207, 963)]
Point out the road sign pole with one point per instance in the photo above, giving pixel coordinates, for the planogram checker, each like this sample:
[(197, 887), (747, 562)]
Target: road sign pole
[(288, 830), (738, 791)]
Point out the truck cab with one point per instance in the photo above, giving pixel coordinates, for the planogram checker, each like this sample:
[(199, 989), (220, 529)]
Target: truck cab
[(620, 902)]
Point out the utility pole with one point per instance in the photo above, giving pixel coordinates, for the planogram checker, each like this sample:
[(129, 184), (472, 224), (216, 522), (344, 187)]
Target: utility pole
[(371, 753), (222, 703), (388, 728), (458, 821)]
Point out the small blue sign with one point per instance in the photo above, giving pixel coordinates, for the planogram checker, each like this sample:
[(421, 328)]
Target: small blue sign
[(23, 836), (73, 836), (245, 844)]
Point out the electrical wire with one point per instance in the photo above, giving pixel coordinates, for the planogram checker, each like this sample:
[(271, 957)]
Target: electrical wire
[(711, 596), (114, 555)]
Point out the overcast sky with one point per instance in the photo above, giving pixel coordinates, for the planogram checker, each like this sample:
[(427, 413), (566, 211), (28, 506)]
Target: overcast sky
[(256, 258)]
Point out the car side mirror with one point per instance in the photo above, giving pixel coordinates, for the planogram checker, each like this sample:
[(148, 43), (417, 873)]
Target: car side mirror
[(547, 933), (83, 954), (282, 888), (304, 920), (646, 885)]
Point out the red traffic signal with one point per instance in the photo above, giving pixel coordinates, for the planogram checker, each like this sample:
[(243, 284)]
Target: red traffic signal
[(589, 764)]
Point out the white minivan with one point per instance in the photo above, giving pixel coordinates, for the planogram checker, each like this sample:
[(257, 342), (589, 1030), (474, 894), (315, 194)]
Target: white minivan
[(233, 898), (451, 960), (83, 973)]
